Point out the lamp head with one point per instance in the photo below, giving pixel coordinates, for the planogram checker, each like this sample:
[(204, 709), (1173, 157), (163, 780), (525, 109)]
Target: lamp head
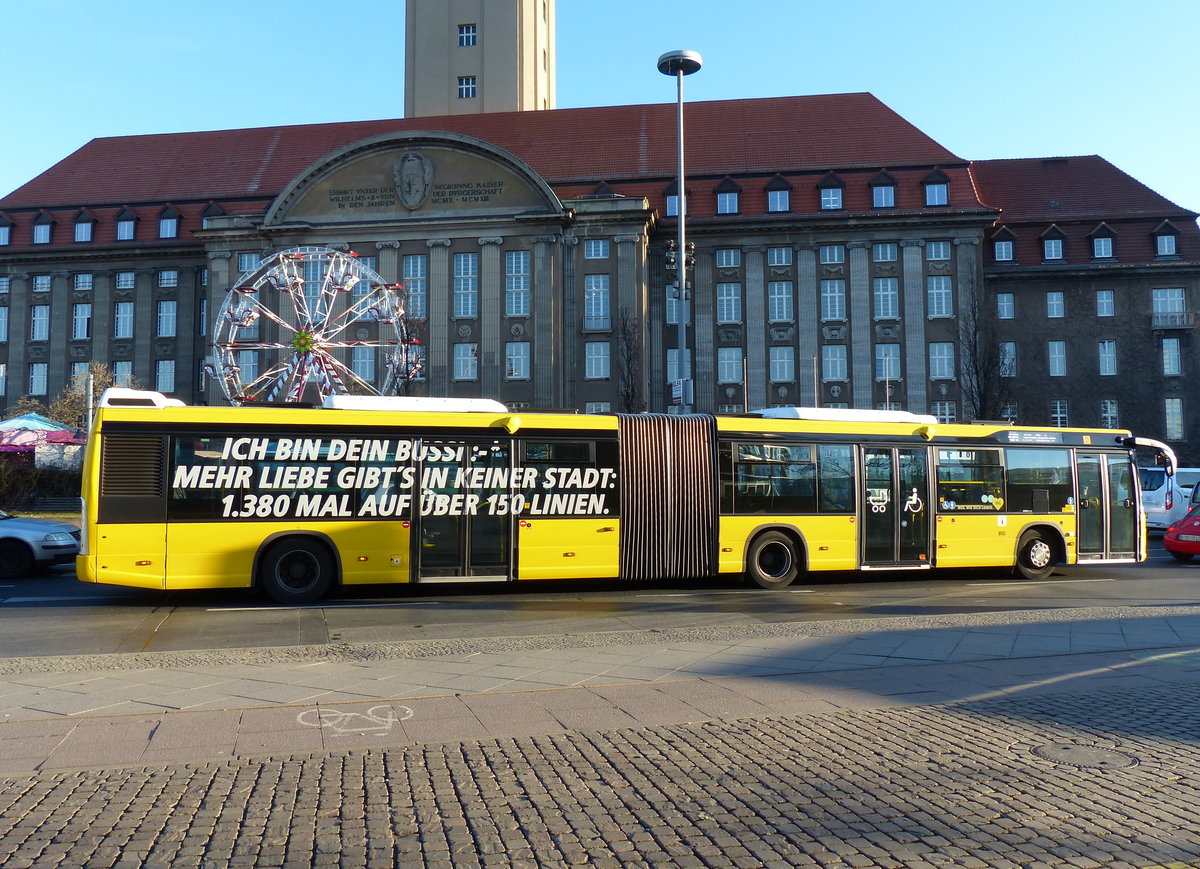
[(676, 62)]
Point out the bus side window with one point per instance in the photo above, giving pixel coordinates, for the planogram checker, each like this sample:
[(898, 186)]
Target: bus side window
[(835, 471), (1039, 480)]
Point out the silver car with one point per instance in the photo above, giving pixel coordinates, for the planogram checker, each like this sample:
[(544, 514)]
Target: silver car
[(27, 543)]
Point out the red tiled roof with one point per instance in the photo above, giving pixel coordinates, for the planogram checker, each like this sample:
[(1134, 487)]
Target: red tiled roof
[(835, 131), (1067, 188)]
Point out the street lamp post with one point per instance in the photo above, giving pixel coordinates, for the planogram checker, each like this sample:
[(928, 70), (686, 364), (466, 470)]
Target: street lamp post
[(679, 64)]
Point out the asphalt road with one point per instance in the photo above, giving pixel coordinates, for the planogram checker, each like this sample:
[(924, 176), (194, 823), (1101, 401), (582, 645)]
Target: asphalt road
[(53, 614)]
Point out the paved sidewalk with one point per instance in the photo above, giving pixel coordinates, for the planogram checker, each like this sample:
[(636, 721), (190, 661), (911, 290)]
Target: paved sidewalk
[(1046, 738)]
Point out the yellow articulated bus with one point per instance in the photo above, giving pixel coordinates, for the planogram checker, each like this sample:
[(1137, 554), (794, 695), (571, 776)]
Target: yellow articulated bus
[(296, 501)]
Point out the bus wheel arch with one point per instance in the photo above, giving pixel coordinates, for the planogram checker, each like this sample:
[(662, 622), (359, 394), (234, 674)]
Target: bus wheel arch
[(1039, 549), (775, 558), (295, 568)]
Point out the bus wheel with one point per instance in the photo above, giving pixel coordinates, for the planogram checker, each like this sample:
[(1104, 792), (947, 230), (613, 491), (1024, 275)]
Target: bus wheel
[(15, 559), (772, 561), (1035, 557), (296, 571)]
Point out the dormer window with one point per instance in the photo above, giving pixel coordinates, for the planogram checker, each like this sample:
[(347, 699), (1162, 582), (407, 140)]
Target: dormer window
[(6, 226), (937, 188), (43, 226), (210, 211), (883, 191), (1166, 240), (126, 225), (168, 223), (1053, 245), (84, 222), (779, 195), (672, 199), (727, 196), (831, 188), (1102, 242)]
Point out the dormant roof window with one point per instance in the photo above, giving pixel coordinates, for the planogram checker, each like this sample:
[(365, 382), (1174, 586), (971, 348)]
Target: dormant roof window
[(85, 222), (831, 188), (937, 188), (6, 226), (779, 194), (210, 211), (126, 225), (727, 196), (1053, 245), (883, 191), (1103, 241), (168, 223), (43, 228), (1003, 246), (1166, 241)]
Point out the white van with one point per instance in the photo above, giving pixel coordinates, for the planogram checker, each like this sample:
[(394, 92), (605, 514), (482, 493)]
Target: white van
[(1162, 497)]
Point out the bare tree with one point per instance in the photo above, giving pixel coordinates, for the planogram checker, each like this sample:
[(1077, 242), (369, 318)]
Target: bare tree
[(412, 363), (629, 362), (985, 390), (26, 404), (71, 406)]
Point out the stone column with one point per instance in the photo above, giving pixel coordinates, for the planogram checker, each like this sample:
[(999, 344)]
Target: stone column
[(702, 345), (547, 326), (491, 316), (916, 375), (754, 332), (438, 289), (18, 335), (808, 327), (862, 351)]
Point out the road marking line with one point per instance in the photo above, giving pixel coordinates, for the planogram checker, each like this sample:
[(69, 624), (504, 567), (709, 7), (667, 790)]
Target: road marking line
[(1040, 581), (318, 606)]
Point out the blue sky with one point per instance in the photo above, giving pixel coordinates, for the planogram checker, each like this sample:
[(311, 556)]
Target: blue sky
[(1016, 79)]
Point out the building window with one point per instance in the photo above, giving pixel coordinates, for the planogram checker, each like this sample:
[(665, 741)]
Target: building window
[(41, 283), (783, 364), (883, 196), (887, 298), (164, 375), (1008, 358), (362, 363), (937, 250), (1052, 248), (1010, 411), (123, 320), (779, 256), (1102, 248), (467, 35), (1173, 411), (729, 364), (1058, 413), (1055, 307), (516, 283), (83, 230), (415, 270), (832, 254), (884, 253), (466, 87), (887, 362), (39, 323), (77, 379), (673, 370), (83, 282), (168, 227), (1057, 353), (941, 360), (1108, 358), (595, 360), (945, 411), (125, 230), (248, 261), (1164, 245), (1172, 362), (596, 300), (3, 378), (1167, 302), (729, 303), (595, 248), (1006, 307), (779, 200), (5, 236), (597, 407), (673, 205), (5, 284), (833, 362), (466, 362), (727, 203), (247, 363), (779, 302), (41, 233), (1105, 304), (166, 318), (4, 324), (831, 198), (1002, 251), (466, 285), (940, 296), (516, 360), (937, 193), (673, 306), (37, 378), (729, 258), (81, 321), (123, 373), (125, 280), (1109, 416), (833, 300), (168, 278)]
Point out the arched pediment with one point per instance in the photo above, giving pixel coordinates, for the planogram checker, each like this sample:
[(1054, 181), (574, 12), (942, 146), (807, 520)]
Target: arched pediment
[(416, 175)]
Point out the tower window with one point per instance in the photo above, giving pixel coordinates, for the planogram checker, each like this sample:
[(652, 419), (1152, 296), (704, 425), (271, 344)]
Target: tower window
[(467, 35), (466, 87)]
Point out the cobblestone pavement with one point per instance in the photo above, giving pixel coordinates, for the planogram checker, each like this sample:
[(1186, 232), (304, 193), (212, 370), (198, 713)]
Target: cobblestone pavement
[(1061, 773)]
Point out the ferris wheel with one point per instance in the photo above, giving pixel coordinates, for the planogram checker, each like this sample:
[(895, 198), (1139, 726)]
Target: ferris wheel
[(311, 320)]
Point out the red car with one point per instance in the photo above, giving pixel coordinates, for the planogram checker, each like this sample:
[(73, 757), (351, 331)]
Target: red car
[(1182, 538)]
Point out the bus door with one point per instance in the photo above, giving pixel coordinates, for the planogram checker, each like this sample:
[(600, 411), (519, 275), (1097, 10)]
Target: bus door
[(895, 508), (459, 532), (1107, 505)]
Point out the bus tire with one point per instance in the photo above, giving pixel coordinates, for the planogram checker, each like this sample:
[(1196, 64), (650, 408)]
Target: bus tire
[(15, 559), (296, 570), (772, 561), (1035, 556)]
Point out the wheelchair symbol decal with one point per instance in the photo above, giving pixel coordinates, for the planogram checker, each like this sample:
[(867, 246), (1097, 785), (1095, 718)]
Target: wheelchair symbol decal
[(914, 503)]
